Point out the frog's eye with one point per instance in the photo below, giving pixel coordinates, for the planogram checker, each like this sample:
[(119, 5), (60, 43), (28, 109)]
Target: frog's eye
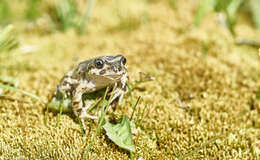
[(123, 60), (99, 63)]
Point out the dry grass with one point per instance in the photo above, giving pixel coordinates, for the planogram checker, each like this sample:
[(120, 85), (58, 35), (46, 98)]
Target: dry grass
[(200, 66)]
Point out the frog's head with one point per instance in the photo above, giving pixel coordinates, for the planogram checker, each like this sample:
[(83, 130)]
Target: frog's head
[(104, 68), (112, 67)]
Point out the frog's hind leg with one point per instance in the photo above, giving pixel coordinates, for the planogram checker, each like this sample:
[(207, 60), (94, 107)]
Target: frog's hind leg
[(79, 110), (77, 107)]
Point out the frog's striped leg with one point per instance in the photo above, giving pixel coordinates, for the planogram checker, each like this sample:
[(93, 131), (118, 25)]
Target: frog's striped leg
[(77, 105), (84, 114), (120, 91)]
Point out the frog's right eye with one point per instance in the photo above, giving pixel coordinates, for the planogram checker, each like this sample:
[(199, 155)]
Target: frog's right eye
[(123, 60), (99, 63)]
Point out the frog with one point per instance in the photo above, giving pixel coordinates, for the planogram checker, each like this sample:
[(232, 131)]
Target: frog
[(91, 76)]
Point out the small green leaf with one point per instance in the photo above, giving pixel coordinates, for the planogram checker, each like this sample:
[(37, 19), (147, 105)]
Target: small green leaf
[(55, 105), (120, 134)]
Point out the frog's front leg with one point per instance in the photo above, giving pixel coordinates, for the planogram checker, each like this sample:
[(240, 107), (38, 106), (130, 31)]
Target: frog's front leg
[(119, 92), (77, 105)]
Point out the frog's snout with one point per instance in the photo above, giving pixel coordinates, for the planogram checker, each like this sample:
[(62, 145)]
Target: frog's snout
[(115, 68)]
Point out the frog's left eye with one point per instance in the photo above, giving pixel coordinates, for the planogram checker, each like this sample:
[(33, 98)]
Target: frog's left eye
[(123, 60), (99, 63)]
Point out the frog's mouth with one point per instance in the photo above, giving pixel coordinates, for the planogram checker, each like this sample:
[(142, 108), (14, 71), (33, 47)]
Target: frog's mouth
[(104, 81), (105, 78), (113, 77)]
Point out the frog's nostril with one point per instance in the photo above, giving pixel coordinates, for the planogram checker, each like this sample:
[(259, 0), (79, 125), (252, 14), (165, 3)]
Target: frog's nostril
[(114, 68), (119, 68)]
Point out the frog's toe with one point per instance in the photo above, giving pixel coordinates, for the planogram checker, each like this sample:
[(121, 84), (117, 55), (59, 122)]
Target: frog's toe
[(87, 116)]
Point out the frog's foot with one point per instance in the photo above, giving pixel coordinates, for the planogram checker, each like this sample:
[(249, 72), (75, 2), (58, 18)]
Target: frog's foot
[(82, 118), (87, 116), (118, 93), (84, 115)]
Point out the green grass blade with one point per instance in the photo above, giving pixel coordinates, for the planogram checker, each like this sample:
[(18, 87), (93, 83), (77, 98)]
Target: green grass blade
[(142, 115), (20, 91), (8, 38), (134, 108), (205, 7), (100, 121), (86, 16), (32, 11), (258, 95), (195, 150), (60, 111), (130, 92), (233, 7), (255, 11), (4, 11), (66, 12)]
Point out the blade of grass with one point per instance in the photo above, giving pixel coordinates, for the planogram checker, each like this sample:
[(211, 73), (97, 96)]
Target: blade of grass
[(20, 91), (66, 12), (201, 147), (258, 95), (92, 107), (81, 127), (130, 92), (32, 12), (205, 7), (233, 7), (8, 38), (142, 115), (99, 124), (4, 11), (134, 108), (60, 112), (86, 16), (255, 11)]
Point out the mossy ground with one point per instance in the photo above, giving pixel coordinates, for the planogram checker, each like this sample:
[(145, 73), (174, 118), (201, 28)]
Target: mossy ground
[(202, 67)]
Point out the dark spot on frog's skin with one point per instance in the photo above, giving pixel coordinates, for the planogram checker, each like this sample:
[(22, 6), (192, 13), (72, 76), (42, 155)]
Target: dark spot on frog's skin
[(90, 67), (75, 103), (79, 110), (66, 76), (119, 68), (114, 68), (102, 72)]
